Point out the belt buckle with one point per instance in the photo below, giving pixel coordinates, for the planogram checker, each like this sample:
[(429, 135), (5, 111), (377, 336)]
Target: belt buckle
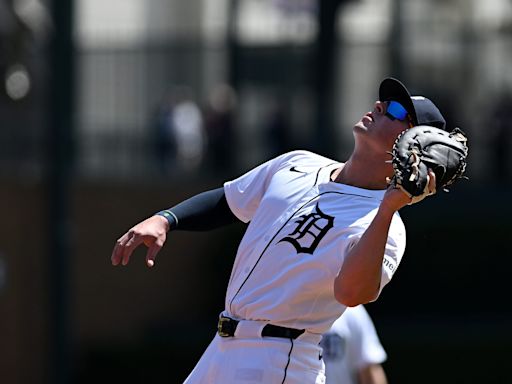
[(220, 326)]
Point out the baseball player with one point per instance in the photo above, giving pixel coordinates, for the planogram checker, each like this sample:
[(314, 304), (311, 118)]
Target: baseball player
[(322, 236), (352, 351)]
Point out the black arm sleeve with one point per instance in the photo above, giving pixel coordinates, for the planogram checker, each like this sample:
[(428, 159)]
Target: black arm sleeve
[(205, 211)]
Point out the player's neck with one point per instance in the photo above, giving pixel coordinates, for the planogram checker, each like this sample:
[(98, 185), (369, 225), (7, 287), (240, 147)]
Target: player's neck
[(362, 172)]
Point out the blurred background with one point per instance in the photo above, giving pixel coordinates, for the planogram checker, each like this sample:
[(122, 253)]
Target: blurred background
[(112, 110)]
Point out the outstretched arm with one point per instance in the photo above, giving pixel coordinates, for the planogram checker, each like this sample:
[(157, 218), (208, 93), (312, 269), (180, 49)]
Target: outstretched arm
[(205, 211)]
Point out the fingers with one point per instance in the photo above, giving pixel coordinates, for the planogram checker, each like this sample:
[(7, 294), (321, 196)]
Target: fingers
[(152, 252), (152, 232), (431, 182), (125, 246), (117, 253), (133, 242)]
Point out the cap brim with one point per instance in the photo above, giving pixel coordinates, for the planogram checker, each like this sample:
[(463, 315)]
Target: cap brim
[(391, 89)]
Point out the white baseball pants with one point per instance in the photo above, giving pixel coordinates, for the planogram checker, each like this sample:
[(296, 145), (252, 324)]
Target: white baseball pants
[(268, 360)]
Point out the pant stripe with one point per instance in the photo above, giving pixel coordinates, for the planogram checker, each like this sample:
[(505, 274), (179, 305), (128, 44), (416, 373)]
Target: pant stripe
[(288, 362)]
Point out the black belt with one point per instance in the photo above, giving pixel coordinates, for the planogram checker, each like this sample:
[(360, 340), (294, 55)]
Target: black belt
[(227, 327)]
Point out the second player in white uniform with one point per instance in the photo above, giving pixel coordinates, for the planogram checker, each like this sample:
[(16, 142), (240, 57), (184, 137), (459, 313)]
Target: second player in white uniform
[(322, 235), (352, 351)]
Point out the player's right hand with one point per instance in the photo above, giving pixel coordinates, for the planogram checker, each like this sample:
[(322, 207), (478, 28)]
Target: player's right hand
[(151, 232)]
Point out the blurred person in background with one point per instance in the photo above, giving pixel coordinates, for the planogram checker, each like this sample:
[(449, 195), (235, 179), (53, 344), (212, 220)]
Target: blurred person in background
[(352, 351), (164, 142), (278, 129), (189, 130), (180, 137), (218, 121)]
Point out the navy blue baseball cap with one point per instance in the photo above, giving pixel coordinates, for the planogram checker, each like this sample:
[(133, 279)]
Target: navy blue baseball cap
[(422, 110)]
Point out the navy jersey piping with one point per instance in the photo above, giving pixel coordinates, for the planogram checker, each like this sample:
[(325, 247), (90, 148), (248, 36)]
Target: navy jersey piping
[(319, 169), (277, 233)]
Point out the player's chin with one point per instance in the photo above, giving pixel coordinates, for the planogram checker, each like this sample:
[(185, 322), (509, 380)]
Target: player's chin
[(359, 127)]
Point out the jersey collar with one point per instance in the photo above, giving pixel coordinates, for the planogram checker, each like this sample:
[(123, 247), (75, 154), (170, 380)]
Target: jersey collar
[(325, 184)]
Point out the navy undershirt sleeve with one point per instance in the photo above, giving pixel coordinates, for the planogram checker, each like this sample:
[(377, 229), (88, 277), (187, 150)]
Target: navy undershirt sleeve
[(203, 212)]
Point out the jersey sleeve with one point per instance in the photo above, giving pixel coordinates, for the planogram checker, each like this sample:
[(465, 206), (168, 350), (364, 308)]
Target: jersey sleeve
[(364, 347), (395, 248), (393, 252), (245, 193)]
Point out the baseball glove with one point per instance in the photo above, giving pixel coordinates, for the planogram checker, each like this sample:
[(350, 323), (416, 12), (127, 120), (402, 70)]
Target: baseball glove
[(418, 149)]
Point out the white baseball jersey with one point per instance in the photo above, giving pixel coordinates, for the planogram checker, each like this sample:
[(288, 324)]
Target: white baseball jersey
[(301, 227), (351, 344)]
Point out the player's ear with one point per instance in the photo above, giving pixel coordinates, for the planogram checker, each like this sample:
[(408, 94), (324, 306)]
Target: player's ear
[(380, 106)]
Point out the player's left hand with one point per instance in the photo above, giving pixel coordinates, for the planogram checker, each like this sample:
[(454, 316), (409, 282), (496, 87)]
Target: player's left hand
[(151, 232), (418, 149), (395, 198)]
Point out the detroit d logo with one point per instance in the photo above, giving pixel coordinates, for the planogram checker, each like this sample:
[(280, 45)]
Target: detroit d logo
[(310, 230)]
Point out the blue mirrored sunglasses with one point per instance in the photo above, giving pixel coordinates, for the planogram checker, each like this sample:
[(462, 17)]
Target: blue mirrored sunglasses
[(396, 111)]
